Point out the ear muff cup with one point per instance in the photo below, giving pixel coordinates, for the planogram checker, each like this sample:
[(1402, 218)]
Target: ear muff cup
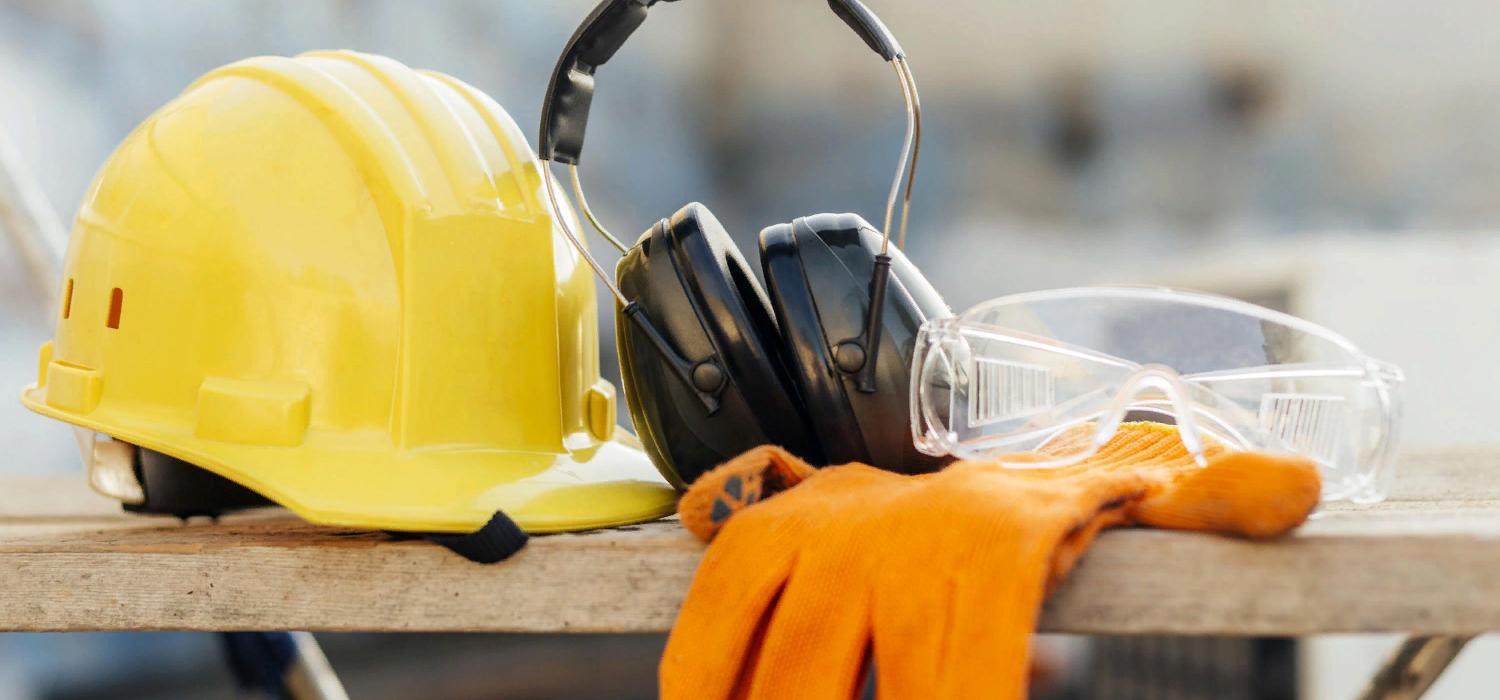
[(818, 271), (175, 487), (698, 291)]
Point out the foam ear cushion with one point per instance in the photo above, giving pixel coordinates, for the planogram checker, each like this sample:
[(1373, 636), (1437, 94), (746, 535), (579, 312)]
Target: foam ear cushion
[(175, 487), (699, 292), (818, 271)]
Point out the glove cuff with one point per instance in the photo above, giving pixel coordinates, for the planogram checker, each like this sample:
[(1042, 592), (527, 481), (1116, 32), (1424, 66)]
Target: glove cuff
[(743, 481)]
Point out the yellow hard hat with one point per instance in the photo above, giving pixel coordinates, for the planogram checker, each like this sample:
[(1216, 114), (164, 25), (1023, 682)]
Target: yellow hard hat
[(334, 280)]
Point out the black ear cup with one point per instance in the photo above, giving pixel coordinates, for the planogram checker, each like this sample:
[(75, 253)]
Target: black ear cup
[(706, 368), (175, 487), (697, 290), (818, 270)]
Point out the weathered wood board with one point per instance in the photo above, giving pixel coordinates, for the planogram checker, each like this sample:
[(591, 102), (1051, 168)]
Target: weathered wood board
[(1426, 562)]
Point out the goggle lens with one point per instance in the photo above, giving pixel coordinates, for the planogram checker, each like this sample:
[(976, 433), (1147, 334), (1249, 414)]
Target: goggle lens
[(1030, 374)]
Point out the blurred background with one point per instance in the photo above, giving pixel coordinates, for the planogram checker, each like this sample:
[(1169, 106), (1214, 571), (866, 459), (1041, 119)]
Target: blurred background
[(1336, 159)]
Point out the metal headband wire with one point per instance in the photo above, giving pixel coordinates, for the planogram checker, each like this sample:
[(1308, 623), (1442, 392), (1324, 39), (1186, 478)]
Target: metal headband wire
[(567, 227), (909, 148), (583, 203), (916, 150)]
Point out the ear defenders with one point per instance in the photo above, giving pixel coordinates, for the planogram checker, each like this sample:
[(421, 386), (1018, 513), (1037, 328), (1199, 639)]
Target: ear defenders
[(817, 361)]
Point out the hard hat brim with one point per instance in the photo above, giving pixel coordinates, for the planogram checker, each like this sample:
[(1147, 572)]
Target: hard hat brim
[(350, 481)]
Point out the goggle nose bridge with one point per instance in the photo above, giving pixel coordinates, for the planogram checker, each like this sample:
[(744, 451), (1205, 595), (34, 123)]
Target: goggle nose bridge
[(1168, 382)]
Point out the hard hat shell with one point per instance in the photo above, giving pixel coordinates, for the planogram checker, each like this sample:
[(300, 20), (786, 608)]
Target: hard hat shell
[(334, 280)]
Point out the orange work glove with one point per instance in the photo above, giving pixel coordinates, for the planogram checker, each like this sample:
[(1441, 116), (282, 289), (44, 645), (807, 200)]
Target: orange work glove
[(938, 577)]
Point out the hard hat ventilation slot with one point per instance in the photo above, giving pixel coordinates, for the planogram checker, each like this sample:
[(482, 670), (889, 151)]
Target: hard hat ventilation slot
[(116, 300), (67, 304)]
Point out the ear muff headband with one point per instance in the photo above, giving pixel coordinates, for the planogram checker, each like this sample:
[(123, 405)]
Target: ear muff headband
[(565, 111), (565, 118)]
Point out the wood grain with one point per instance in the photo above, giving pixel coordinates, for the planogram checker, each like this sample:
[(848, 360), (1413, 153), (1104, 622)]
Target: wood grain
[(1425, 562)]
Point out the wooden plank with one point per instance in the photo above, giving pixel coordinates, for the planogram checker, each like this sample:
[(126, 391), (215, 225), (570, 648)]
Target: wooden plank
[(55, 497), (1426, 562), (277, 573), (1470, 473)]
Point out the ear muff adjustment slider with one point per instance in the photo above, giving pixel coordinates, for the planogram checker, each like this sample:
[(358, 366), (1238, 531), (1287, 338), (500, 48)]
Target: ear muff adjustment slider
[(704, 378), (866, 381)]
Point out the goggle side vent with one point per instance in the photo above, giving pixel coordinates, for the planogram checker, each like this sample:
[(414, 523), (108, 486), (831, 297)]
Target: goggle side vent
[(1004, 390), (1308, 423)]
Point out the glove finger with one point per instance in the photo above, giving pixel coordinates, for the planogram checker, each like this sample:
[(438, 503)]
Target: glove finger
[(737, 585), (742, 628), (988, 645), (714, 633), (928, 620), (1240, 493), (1076, 542), (914, 603), (817, 638), (1003, 571), (737, 484), (912, 619)]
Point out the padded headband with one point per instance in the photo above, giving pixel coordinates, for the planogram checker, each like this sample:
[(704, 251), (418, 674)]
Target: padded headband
[(565, 109)]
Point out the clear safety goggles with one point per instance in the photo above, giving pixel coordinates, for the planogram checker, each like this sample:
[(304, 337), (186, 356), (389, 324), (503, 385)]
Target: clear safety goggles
[(1015, 374)]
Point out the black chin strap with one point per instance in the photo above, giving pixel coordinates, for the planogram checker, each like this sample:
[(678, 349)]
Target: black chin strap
[(496, 541)]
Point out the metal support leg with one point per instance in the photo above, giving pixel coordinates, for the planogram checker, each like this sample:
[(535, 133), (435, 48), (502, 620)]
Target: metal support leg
[(281, 665), (1415, 666)]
